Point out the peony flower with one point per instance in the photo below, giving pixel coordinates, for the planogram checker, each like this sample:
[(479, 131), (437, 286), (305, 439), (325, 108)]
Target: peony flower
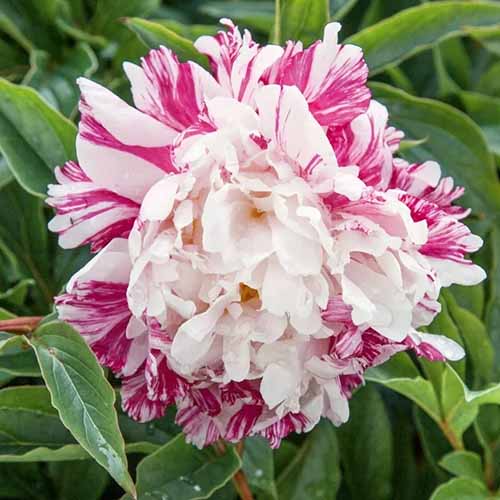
[(258, 245)]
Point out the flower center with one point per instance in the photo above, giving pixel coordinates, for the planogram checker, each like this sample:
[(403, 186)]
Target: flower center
[(255, 213), (247, 293)]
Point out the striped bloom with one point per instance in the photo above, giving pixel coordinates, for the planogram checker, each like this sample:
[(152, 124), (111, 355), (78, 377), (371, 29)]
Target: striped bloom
[(258, 243)]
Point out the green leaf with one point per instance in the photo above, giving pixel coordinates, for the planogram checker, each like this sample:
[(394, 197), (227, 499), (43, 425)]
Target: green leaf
[(460, 405), (443, 324), (406, 484), (57, 85), (433, 443), (314, 471), (401, 375), (16, 357), (23, 242), (146, 437), (74, 11), (13, 61), (340, 8), (446, 86), (470, 298), (489, 82), (478, 345), (5, 173), (461, 488), (155, 34), (488, 37), (4, 314), (457, 61), (30, 429), (66, 263), (80, 480), (300, 20), (485, 111), (416, 29), (80, 35), (454, 141), (368, 428), (189, 31), (5, 378), (29, 23), (258, 466), (284, 455), (457, 414), (82, 396), (373, 13), (463, 464), (108, 13), (180, 471), (16, 295), (492, 309), (400, 79), (487, 429), (256, 15), (25, 482), (34, 138)]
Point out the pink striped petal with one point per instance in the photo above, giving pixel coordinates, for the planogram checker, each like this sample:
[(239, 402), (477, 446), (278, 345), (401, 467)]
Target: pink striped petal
[(135, 401), (198, 427), (248, 390), (111, 264), (238, 62), (292, 422), (163, 383), (223, 49), (96, 306), (435, 347), (377, 349), (241, 423), (249, 67), (119, 147), (206, 401), (423, 180), (87, 213), (99, 311), (171, 92), (448, 243), (337, 310), (332, 77), (364, 142), (286, 120)]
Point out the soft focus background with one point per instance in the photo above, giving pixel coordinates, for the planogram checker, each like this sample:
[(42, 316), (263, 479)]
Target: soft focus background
[(416, 429)]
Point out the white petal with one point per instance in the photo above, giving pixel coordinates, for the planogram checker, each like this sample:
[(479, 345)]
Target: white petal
[(159, 200), (111, 264), (277, 384)]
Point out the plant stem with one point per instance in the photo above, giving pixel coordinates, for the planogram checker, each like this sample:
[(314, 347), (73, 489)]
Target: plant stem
[(453, 439), (239, 479), (489, 472), (24, 324)]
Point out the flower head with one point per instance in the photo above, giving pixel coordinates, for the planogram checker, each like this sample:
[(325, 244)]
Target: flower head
[(258, 244)]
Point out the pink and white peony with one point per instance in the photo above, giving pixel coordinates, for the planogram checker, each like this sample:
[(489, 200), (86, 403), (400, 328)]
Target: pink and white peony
[(258, 244)]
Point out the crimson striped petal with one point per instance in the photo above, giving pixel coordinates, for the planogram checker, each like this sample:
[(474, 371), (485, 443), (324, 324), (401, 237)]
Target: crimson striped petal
[(87, 213), (331, 76)]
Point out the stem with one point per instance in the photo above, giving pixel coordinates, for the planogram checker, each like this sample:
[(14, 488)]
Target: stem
[(23, 324), (489, 476), (239, 479), (453, 439), (240, 447), (277, 23)]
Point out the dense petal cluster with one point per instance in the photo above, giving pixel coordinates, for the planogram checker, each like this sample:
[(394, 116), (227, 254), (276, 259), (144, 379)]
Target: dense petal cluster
[(259, 245)]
